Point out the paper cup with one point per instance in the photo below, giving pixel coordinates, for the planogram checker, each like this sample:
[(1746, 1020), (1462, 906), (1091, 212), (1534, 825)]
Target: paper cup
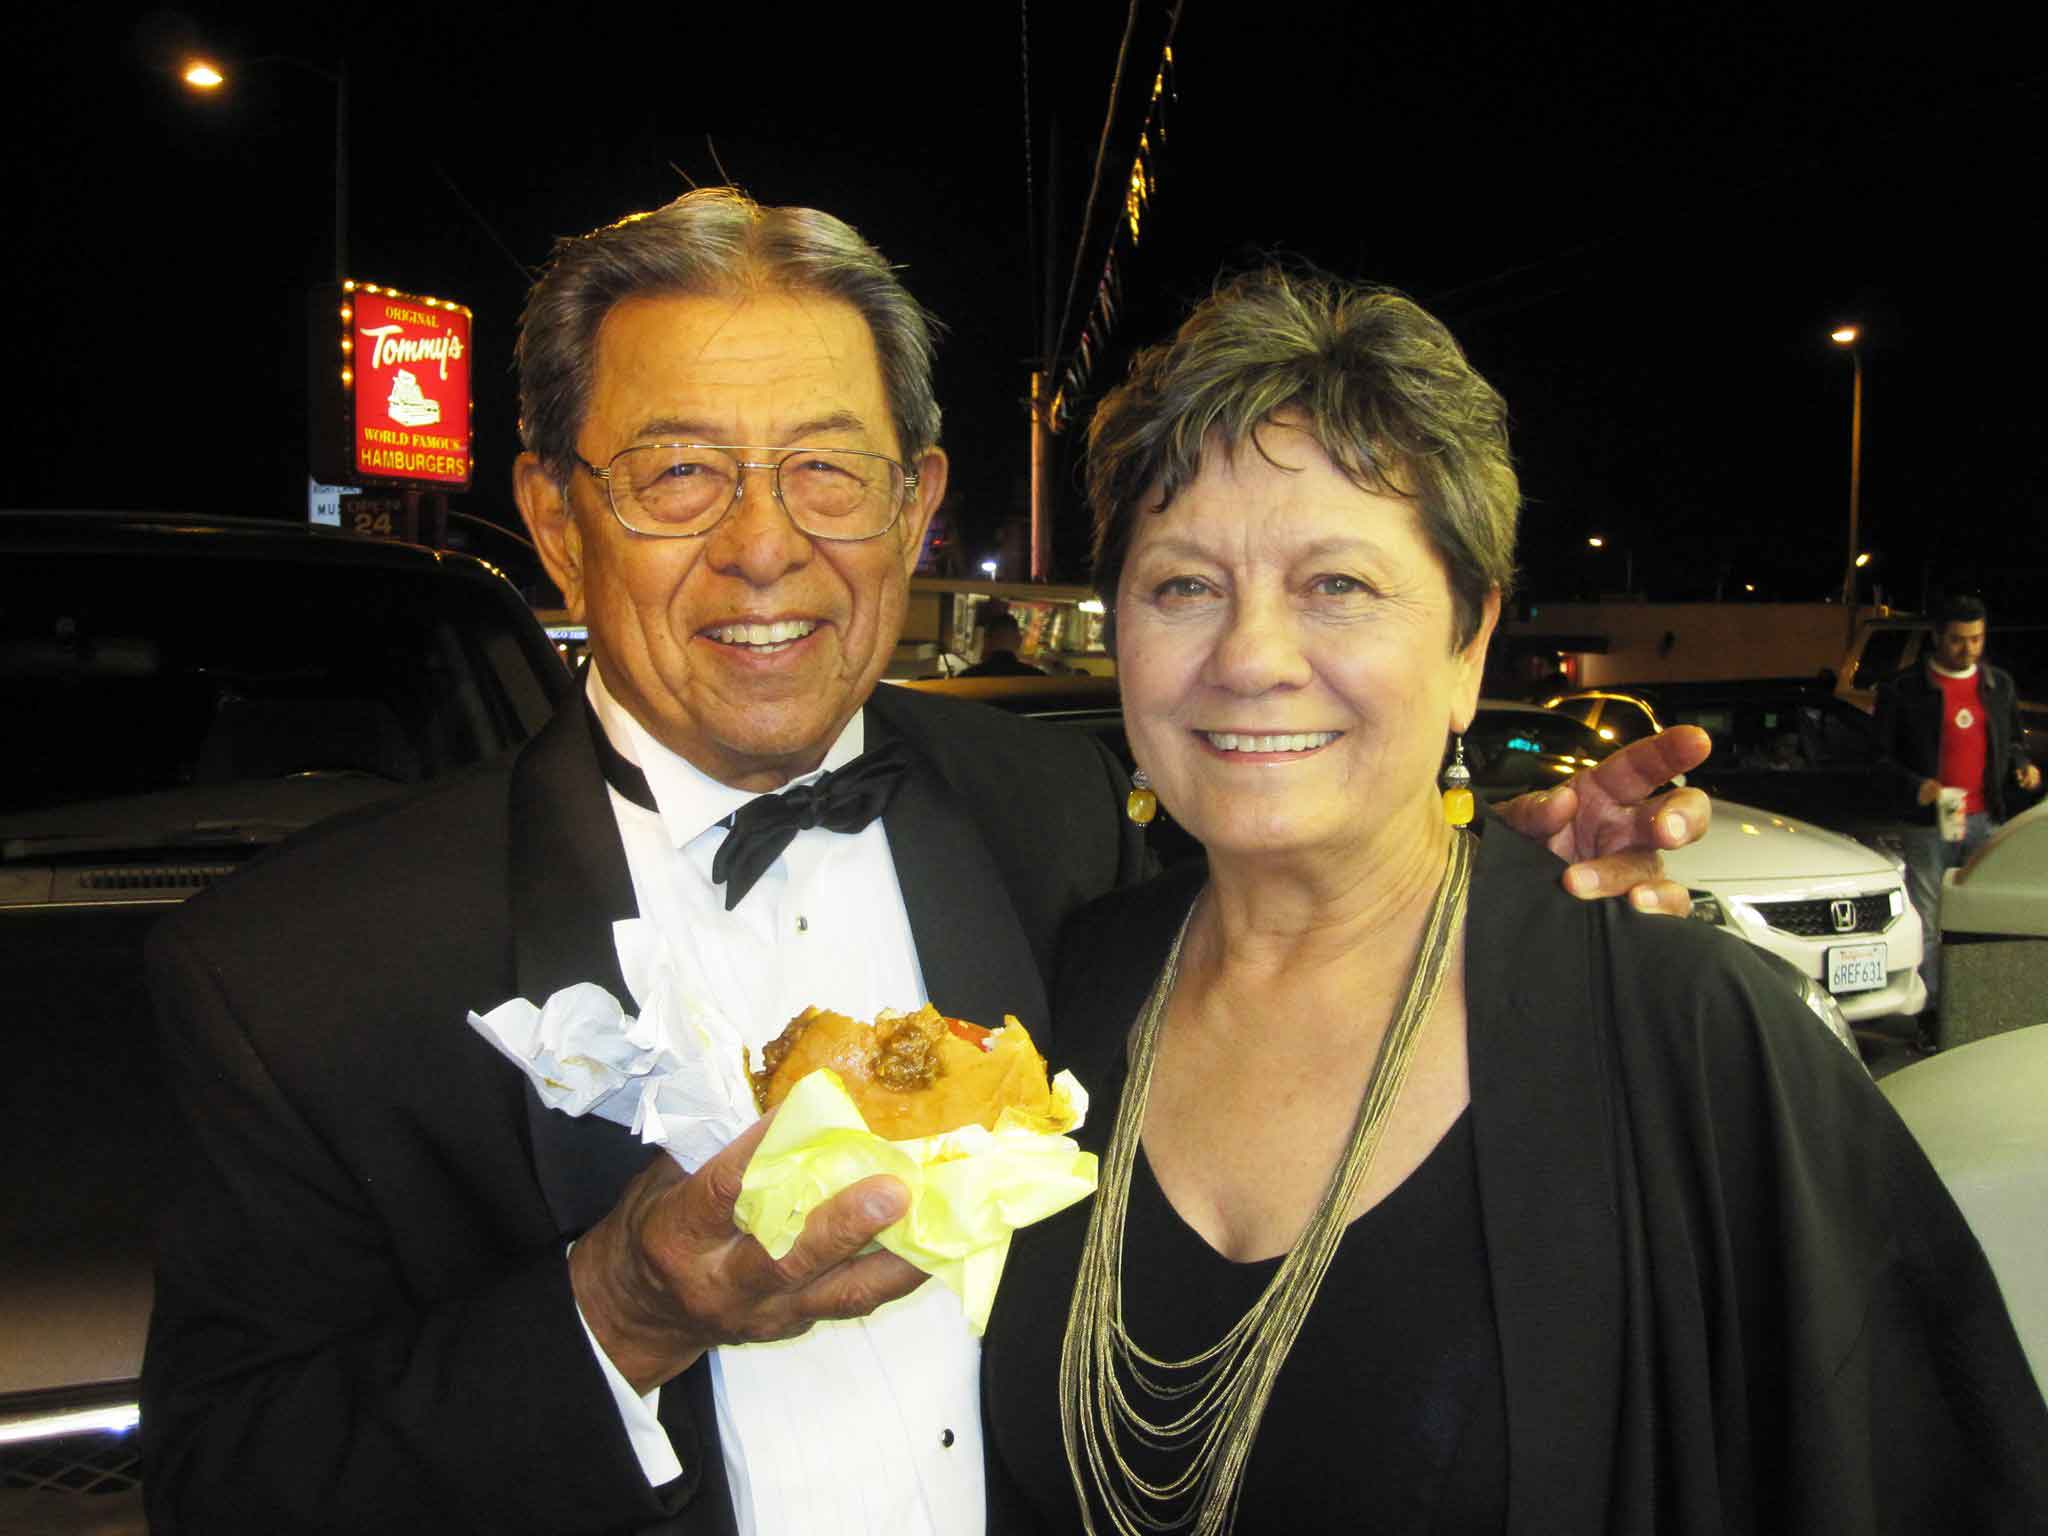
[(1950, 815)]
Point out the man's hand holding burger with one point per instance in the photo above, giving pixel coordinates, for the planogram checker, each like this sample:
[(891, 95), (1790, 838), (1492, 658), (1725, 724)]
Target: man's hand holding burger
[(666, 1275)]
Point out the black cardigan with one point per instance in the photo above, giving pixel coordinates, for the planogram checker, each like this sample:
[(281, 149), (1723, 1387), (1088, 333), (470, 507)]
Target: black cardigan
[(1732, 1295)]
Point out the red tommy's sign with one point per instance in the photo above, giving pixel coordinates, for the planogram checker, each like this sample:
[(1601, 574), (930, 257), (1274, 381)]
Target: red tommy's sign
[(403, 409)]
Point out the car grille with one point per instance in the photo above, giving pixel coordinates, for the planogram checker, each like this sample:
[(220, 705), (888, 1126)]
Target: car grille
[(154, 877), (96, 1463), (1816, 920)]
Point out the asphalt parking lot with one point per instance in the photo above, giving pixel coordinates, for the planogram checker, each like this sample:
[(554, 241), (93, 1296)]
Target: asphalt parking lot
[(1887, 1045)]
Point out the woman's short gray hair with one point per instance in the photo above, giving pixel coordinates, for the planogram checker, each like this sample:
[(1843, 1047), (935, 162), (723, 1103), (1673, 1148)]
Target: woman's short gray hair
[(716, 240), (1375, 379)]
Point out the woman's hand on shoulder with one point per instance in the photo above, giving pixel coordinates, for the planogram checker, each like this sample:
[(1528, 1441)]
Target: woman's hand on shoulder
[(1610, 827)]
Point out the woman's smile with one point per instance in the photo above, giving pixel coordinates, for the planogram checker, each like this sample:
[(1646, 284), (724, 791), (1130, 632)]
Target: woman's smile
[(1265, 745)]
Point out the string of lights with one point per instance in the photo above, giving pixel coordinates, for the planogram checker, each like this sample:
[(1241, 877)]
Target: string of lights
[(1073, 367)]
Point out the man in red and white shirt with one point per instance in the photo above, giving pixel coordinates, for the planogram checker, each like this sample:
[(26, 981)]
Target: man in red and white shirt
[(1952, 722)]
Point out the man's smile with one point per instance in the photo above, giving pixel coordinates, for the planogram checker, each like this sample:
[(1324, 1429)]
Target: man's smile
[(762, 639)]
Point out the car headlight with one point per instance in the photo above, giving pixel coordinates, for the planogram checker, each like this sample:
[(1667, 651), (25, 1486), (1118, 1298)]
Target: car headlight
[(1819, 1001), (1829, 1012), (1706, 906)]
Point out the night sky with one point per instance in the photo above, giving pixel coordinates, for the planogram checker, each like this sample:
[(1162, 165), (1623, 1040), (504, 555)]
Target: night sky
[(1641, 222)]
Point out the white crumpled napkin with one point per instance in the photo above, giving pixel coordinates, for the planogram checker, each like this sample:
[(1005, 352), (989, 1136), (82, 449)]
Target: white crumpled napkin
[(675, 1074)]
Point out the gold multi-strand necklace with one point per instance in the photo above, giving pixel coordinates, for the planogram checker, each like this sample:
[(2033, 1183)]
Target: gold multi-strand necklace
[(1210, 1404)]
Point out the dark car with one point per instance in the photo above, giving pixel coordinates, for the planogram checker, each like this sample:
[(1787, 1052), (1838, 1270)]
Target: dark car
[(1787, 745), (1883, 647), (1087, 703), (180, 695), (1510, 748)]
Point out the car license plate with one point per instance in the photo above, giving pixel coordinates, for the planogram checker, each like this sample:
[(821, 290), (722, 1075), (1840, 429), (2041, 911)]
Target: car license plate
[(1856, 967)]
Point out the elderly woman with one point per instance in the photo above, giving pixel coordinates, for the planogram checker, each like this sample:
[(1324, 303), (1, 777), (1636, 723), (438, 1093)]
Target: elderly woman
[(1432, 1199)]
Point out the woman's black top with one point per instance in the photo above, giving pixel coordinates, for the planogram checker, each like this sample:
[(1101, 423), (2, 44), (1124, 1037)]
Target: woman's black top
[(1388, 1415)]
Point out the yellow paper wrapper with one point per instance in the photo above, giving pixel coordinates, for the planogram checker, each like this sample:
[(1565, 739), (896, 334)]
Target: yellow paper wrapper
[(969, 1189)]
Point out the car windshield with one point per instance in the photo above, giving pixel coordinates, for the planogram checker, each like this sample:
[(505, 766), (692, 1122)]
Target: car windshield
[(1782, 737), (1498, 731), (127, 676), (1884, 652)]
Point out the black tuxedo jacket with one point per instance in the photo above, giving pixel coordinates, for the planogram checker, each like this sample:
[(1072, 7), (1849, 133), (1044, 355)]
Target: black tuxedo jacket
[(363, 1317)]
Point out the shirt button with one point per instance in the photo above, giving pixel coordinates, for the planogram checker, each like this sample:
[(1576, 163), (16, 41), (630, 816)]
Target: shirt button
[(803, 924), (946, 1438)]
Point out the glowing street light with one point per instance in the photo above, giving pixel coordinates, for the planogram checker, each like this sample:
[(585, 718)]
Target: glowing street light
[(1849, 336), (1628, 561), (207, 75), (989, 568)]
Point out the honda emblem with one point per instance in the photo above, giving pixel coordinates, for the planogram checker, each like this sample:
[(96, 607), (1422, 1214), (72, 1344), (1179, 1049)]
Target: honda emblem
[(1843, 910)]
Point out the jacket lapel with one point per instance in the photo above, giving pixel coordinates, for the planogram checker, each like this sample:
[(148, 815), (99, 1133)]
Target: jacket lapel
[(970, 940), (569, 884)]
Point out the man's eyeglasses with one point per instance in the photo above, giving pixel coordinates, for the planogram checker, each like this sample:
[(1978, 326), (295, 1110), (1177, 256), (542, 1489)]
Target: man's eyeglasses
[(684, 490)]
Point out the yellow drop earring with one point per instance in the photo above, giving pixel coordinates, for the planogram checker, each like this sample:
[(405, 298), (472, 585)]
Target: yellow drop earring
[(1457, 782), (1141, 805)]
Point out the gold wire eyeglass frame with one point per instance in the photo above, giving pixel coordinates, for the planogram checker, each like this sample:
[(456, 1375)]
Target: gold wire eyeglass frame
[(741, 466)]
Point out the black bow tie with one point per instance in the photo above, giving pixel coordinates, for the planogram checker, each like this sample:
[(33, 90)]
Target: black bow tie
[(845, 800)]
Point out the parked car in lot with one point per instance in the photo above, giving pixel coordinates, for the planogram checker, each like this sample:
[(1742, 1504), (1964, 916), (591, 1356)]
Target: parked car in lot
[(1787, 745), (1831, 907), (1514, 747), (1510, 748), (1883, 647), (1749, 875), (182, 693), (1085, 702)]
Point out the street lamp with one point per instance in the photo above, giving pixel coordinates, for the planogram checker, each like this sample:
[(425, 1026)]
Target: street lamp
[(1849, 336), (207, 75), (1628, 563)]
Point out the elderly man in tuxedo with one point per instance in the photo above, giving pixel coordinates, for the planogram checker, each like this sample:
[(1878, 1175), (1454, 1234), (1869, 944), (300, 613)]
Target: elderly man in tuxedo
[(403, 1296)]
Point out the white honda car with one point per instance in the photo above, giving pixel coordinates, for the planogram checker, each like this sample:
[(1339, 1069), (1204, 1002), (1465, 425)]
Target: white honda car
[(1831, 906)]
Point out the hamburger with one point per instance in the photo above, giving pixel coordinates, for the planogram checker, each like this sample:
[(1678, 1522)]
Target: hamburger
[(911, 1074)]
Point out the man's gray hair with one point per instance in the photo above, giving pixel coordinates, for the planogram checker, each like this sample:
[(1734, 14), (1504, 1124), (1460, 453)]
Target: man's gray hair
[(713, 241), (1376, 380)]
